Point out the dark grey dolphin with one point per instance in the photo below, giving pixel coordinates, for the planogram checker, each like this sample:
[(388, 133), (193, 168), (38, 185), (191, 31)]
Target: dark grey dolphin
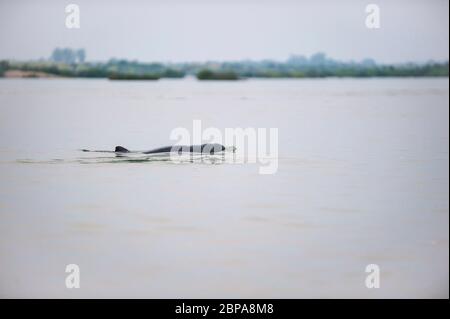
[(204, 149)]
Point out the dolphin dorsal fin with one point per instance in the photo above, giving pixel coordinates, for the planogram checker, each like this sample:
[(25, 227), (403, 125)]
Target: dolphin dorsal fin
[(121, 149)]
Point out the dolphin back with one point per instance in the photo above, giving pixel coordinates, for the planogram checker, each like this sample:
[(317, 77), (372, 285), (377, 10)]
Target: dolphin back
[(204, 148)]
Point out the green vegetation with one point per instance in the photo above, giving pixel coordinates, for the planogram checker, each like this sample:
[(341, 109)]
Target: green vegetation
[(4, 65), (71, 63), (124, 76), (428, 70), (216, 75), (123, 70)]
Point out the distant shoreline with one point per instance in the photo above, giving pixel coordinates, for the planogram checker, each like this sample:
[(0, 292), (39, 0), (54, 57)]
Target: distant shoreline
[(317, 66), (20, 74), (16, 74)]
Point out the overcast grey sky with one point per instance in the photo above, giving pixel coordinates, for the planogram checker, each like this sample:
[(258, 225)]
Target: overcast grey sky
[(198, 30)]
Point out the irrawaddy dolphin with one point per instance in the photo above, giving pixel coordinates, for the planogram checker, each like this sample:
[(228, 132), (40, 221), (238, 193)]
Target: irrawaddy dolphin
[(204, 149)]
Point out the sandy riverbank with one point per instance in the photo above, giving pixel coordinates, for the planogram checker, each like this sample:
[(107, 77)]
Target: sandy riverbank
[(28, 74)]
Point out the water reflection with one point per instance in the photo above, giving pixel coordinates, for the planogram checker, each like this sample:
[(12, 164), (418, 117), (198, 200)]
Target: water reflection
[(211, 159)]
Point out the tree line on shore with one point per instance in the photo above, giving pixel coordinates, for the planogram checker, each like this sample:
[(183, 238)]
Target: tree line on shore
[(71, 63)]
